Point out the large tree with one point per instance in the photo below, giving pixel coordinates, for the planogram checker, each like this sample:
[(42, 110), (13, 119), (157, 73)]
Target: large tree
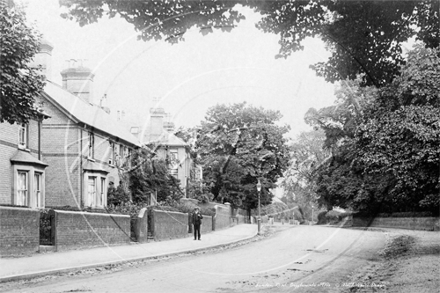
[(363, 36), (19, 82), (400, 132), (385, 155), (239, 144), (307, 154)]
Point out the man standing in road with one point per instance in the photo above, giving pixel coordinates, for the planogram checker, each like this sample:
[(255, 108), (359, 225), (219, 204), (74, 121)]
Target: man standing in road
[(197, 221)]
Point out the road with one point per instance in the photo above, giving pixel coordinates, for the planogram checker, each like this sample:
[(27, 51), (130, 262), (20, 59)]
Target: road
[(294, 259)]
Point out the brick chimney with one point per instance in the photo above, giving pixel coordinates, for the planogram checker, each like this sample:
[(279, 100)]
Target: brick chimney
[(79, 81), (44, 58), (156, 125)]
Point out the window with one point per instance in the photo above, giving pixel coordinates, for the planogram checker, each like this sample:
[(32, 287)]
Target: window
[(23, 136), (38, 195), (111, 159), (91, 145), (174, 172), (121, 151), (101, 197), (91, 191), (22, 188), (95, 190)]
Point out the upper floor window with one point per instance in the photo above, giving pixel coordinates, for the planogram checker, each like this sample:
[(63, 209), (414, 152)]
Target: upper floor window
[(23, 136), (91, 153), (112, 150)]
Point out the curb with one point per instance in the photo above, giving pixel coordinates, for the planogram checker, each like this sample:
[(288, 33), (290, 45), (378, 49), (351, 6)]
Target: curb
[(117, 262)]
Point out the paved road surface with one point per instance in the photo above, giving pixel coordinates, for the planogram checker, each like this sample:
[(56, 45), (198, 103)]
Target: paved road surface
[(296, 259)]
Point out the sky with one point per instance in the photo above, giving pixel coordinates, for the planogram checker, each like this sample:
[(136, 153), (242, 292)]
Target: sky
[(188, 77)]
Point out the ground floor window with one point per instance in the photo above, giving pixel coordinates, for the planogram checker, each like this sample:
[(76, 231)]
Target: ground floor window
[(38, 195), (29, 187), (22, 188), (96, 190)]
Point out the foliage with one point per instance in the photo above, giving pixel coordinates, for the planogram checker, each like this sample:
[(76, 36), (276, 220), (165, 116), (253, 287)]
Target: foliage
[(363, 36), (277, 210), (198, 190), (149, 174), (116, 196), (237, 145), (388, 159), (19, 82), (400, 132), (331, 217), (307, 153)]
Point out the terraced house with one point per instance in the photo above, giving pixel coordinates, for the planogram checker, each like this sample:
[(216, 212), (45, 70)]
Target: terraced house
[(71, 157), (22, 168)]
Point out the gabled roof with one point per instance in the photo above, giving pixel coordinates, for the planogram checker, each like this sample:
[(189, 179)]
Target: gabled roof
[(81, 111)]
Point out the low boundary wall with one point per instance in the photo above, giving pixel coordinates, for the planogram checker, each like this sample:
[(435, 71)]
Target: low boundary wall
[(222, 217), (77, 230), (416, 223), (19, 231), (169, 225), (141, 226)]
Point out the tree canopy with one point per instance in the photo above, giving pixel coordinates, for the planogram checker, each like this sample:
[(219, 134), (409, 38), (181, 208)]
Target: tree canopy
[(385, 156), (19, 82), (363, 36), (239, 144)]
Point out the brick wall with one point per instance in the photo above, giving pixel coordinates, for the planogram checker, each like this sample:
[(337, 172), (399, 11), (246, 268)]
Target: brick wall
[(8, 148), (206, 225), (223, 217), (76, 230), (416, 223), (19, 231), (169, 225)]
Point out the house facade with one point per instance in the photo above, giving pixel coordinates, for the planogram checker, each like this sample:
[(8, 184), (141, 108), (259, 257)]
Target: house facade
[(22, 167), (158, 134), (70, 157), (85, 148)]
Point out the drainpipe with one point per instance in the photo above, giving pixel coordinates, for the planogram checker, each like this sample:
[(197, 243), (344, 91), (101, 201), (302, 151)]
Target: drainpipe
[(39, 139), (81, 168)]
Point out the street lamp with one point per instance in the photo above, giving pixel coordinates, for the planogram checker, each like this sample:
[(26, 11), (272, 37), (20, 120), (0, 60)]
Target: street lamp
[(259, 206)]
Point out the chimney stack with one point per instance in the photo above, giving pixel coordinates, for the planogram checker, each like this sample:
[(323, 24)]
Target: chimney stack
[(44, 58), (79, 81)]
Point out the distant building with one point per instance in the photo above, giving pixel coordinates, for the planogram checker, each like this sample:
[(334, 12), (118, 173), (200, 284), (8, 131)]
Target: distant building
[(158, 132)]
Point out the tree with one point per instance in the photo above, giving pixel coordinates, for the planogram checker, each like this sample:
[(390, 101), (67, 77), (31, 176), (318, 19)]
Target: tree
[(239, 144), (149, 175), (363, 36), (307, 154), (400, 132), (19, 83), (388, 159)]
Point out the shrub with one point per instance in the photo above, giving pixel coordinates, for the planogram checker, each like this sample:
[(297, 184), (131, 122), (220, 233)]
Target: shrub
[(333, 217), (45, 228), (322, 218)]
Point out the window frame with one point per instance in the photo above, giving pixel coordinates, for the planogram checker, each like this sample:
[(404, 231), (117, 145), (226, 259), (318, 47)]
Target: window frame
[(97, 198), (21, 200), (37, 192), (23, 136), (91, 146), (112, 155)]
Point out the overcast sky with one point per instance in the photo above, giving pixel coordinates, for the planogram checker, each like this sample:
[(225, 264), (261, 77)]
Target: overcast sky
[(189, 77)]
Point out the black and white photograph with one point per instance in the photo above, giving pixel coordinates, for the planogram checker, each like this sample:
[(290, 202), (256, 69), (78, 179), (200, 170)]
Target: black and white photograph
[(219, 146)]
